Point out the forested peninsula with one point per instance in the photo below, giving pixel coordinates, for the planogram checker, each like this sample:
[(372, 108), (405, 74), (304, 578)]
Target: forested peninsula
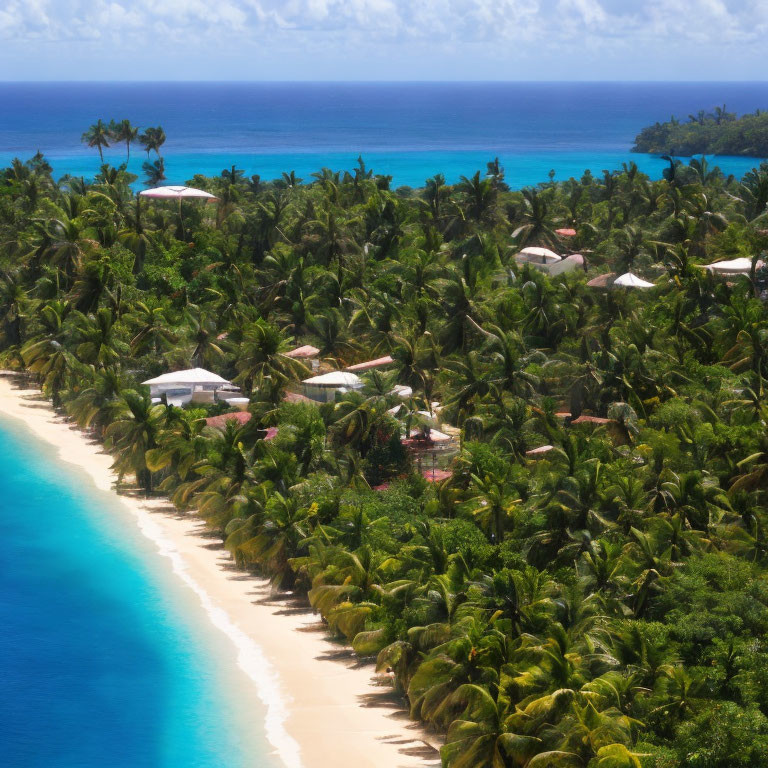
[(717, 133), (583, 581)]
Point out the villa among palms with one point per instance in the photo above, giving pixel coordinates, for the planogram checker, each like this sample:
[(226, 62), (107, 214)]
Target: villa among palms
[(323, 388), (194, 385)]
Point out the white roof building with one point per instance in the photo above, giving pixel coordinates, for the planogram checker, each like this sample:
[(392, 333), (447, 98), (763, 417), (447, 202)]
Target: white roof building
[(323, 388), (741, 266), (630, 280), (188, 376), (535, 255), (180, 387)]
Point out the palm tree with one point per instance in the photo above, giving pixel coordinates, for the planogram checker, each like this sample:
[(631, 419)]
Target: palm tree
[(98, 135), (153, 331), (134, 431), (135, 237), (63, 241), (272, 544), (492, 502), (14, 303), (155, 172), (124, 131), (261, 356), (152, 139), (47, 354), (94, 404), (479, 195), (480, 736)]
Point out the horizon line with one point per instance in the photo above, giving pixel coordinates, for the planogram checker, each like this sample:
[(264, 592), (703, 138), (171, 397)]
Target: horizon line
[(478, 81)]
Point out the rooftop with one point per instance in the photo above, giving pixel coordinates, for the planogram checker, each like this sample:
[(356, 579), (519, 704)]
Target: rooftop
[(188, 376), (335, 379), (379, 362), (220, 421), (304, 352)]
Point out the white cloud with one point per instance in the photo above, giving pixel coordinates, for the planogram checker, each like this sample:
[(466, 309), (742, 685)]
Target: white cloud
[(513, 30)]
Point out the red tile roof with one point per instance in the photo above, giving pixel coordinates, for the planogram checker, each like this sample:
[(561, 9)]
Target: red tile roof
[(591, 420), (220, 421), (295, 397), (566, 232), (303, 352), (369, 364)]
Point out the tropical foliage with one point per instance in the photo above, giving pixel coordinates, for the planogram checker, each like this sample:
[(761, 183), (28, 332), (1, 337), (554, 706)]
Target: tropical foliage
[(717, 133), (602, 602)]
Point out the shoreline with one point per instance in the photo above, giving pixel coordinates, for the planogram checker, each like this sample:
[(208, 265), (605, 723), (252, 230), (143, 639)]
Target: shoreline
[(323, 705)]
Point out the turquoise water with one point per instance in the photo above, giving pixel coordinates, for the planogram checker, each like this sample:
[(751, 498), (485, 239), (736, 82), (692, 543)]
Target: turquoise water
[(106, 657), (410, 131)]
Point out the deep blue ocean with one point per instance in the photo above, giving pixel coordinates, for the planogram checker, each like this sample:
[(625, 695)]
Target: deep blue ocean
[(106, 657), (411, 131)]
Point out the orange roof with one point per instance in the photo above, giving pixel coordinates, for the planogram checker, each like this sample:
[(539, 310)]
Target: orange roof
[(295, 397), (566, 232), (220, 421), (305, 351), (602, 281), (366, 366), (591, 420)]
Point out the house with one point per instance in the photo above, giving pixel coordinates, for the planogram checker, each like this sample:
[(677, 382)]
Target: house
[(323, 389), (194, 385)]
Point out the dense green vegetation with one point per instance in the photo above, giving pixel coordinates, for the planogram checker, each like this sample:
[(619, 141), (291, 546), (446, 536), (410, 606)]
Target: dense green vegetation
[(603, 605), (719, 133)]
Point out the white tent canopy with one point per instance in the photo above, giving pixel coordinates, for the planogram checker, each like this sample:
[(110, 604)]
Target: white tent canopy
[(741, 266), (630, 280), (177, 193), (335, 379), (539, 255), (189, 376)]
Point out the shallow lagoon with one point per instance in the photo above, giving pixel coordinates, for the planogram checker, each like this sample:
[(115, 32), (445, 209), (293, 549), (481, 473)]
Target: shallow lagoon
[(106, 657)]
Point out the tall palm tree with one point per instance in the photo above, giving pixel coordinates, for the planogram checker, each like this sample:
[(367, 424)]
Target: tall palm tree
[(154, 172), (98, 135), (134, 431), (152, 139), (261, 356), (124, 131)]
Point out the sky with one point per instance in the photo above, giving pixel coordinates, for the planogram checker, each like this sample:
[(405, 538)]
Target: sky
[(383, 40)]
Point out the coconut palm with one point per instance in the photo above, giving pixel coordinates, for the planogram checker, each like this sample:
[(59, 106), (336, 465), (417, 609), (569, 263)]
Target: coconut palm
[(124, 131), (134, 431), (98, 135), (152, 139)]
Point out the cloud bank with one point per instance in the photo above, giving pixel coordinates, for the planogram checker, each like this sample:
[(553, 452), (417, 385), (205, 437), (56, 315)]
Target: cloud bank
[(351, 39)]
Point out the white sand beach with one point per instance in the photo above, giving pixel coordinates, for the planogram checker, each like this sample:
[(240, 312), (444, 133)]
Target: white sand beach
[(325, 709)]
